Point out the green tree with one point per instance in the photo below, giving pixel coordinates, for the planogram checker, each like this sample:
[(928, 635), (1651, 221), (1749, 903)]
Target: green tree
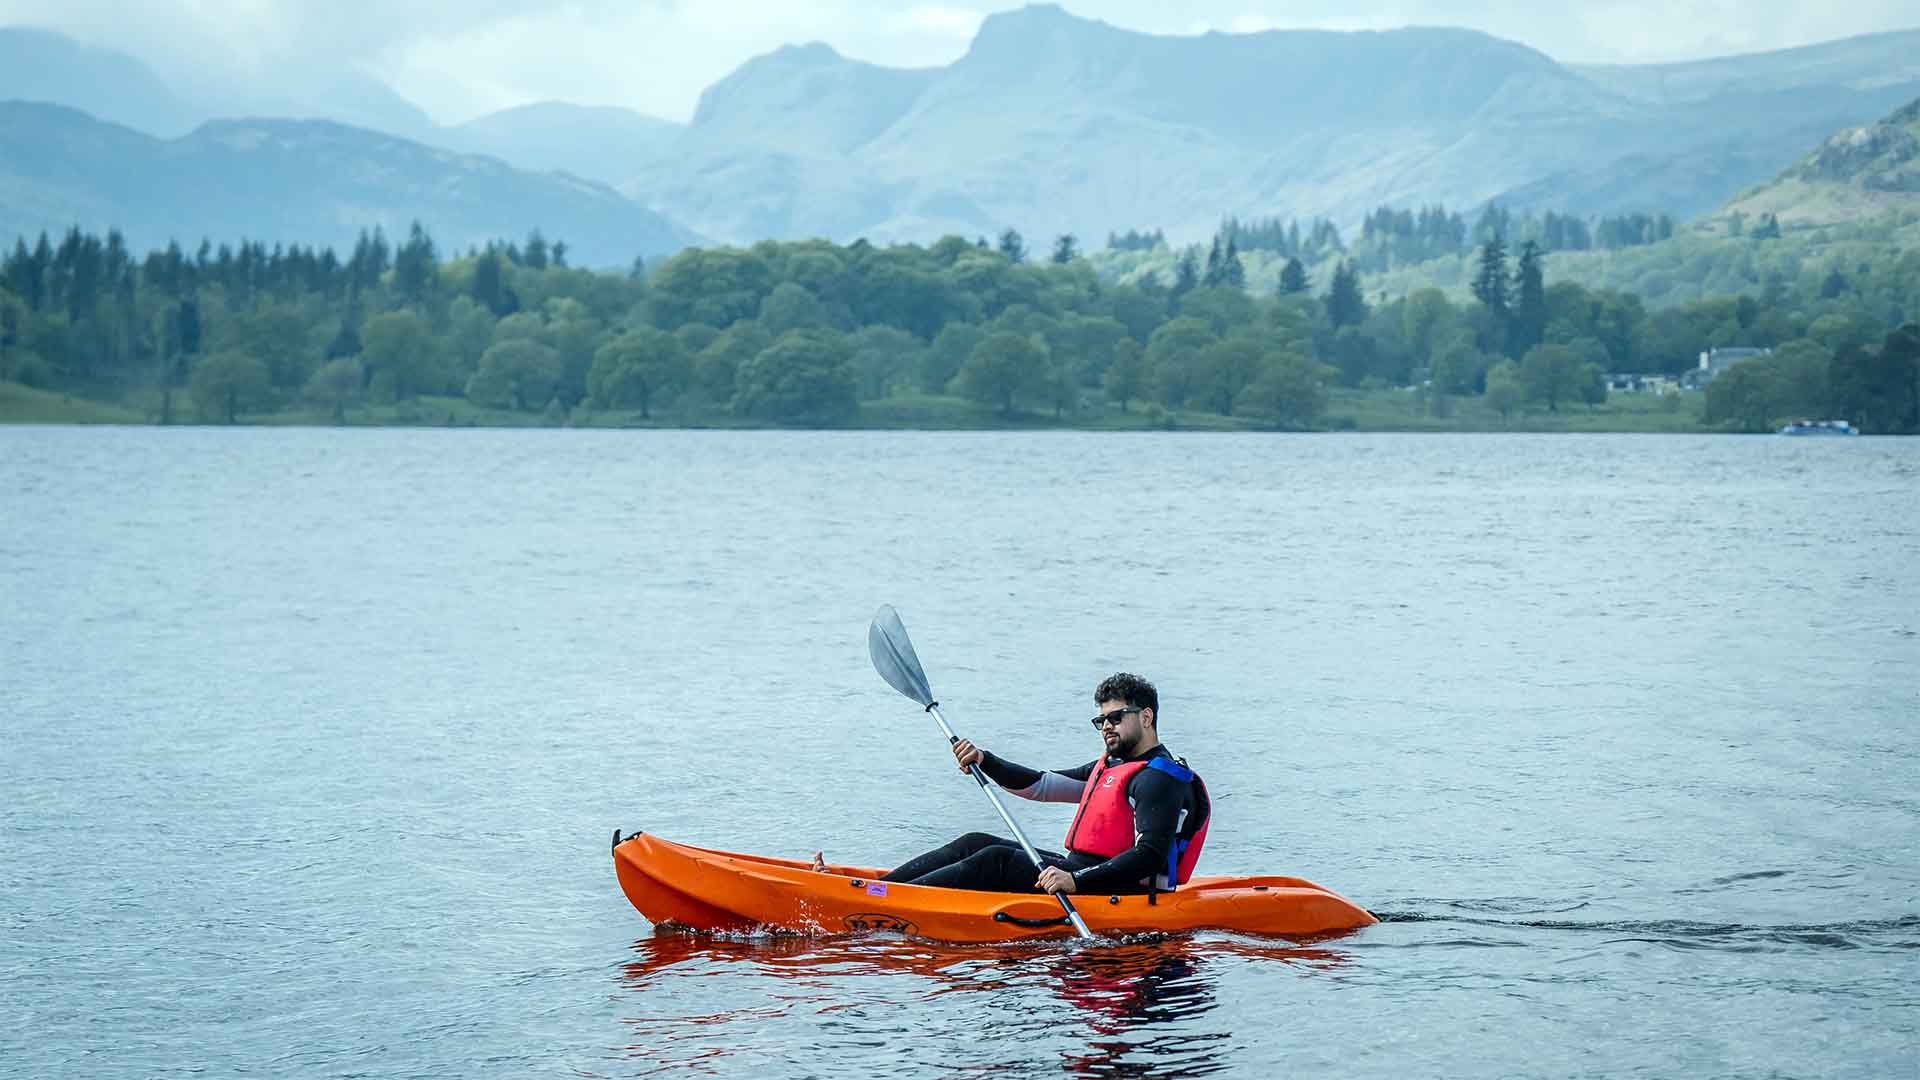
[(1591, 382), (1013, 247), (1233, 273), (1879, 389), (576, 337), (1424, 315), (717, 287), (1459, 367), (490, 287), (517, 374), (805, 379), (1804, 368), (1224, 309), (1003, 368), (884, 357), (1504, 390), (1490, 287), (1528, 326), (1065, 249), (1837, 330), (1291, 389), (939, 364), (1086, 343), (1550, 374), (276, 335), (717, 365), (1186, 273), (1293, 278), (1745, 397), (228, 383), (416, 267), (396, 351), (469, 331), (1345, 305), (1226, 369), (1173, 355), (636, 368), (335, 386), (1126, 376), (790, 307)]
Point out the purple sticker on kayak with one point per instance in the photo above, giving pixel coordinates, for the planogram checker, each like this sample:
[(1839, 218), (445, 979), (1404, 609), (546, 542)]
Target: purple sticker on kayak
[(876, 888)]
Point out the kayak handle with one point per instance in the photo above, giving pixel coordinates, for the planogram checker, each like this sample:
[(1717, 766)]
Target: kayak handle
[(1058, 920)]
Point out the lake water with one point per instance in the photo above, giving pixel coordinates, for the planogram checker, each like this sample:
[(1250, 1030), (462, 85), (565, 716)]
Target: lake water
[(314, 740)]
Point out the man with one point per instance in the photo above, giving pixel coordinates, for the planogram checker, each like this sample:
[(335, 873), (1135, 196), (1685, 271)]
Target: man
[(1142, 819)]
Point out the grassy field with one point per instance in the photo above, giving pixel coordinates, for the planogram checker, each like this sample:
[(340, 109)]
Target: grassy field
[(1347, 410), (1404, 410), (25, 405)]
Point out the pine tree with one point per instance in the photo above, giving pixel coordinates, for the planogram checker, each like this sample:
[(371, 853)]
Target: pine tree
[(1529, 325), (1186, 273), (1212, 277), (1490, 282), (1345, 305), (1293, 278), (1065, 249), (1013, 247), (1232, 273)]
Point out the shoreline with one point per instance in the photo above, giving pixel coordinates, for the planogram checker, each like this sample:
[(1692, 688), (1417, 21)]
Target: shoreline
[(1372, 411)]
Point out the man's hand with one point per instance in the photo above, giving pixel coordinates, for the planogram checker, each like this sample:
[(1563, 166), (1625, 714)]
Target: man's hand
[(967, 754), (1055, 880)]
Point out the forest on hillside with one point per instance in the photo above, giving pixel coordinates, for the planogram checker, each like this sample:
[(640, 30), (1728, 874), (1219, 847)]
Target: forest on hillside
[(807, 333)]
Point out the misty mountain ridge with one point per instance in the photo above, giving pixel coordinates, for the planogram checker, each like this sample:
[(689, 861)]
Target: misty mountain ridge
[(41, 65), (600, 143), (1860, 172), (296, 181), (1052, 123)]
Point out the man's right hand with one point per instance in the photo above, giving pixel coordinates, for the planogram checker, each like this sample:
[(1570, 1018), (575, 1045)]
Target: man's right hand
[(967, 754)]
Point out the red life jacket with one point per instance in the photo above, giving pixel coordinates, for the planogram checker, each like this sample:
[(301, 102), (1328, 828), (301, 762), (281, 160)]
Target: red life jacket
[(1103, 825)]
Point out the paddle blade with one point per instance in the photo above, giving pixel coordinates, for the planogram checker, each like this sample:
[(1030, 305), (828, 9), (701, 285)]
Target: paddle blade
[(893, 657)]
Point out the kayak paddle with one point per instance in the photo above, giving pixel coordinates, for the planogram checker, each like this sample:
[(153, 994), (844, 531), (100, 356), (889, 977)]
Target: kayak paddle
[(894, 659)]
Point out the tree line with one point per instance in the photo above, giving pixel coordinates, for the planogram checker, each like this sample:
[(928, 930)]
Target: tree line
[(804, 332)]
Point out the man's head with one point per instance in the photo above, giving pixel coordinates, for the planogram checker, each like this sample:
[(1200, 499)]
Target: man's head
[(1129, 716)]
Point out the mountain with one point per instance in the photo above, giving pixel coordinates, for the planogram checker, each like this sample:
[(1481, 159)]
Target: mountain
[(40, 65), (1856, 63), (296, 181), (1052, 123), (346, 97), (1861, 172), (598, 142)]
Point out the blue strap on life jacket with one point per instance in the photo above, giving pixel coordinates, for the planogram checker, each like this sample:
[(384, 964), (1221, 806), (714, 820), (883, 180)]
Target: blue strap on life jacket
[(1184, 775), (1171, 768)]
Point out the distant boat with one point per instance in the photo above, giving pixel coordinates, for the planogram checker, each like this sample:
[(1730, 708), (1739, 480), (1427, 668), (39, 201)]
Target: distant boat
[(1819, 427)]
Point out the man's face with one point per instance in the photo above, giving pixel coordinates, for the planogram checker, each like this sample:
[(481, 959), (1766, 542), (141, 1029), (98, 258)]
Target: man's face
[(1122, 738)]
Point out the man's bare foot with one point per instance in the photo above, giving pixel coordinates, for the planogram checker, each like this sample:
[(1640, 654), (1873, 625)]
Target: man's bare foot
[(819, 864)]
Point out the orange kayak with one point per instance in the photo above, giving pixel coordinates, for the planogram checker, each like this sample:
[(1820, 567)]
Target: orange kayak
[(700, 889)]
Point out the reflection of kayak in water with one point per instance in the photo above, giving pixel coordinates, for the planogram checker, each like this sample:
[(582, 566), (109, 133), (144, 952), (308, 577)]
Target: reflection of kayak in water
[(702, 889)]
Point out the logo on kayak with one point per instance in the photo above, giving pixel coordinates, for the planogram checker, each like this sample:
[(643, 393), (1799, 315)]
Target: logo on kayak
[(876, 921), (876, 888)]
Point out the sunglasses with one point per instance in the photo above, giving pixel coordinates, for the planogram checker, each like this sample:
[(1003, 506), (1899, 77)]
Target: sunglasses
[(1113, 717)]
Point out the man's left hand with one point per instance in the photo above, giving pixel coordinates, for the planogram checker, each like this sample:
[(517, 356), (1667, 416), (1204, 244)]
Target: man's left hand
[(1055, 880)]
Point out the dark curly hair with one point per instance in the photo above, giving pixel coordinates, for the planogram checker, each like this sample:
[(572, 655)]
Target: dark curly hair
[(1130, 688)]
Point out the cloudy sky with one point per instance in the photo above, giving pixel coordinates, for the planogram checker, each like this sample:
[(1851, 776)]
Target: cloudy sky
[(461, 58)]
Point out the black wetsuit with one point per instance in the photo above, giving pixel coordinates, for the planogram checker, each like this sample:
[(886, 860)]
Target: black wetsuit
[(1162, 806)]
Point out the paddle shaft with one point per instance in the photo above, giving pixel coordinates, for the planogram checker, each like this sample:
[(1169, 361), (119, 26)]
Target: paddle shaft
[(980, 778)]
